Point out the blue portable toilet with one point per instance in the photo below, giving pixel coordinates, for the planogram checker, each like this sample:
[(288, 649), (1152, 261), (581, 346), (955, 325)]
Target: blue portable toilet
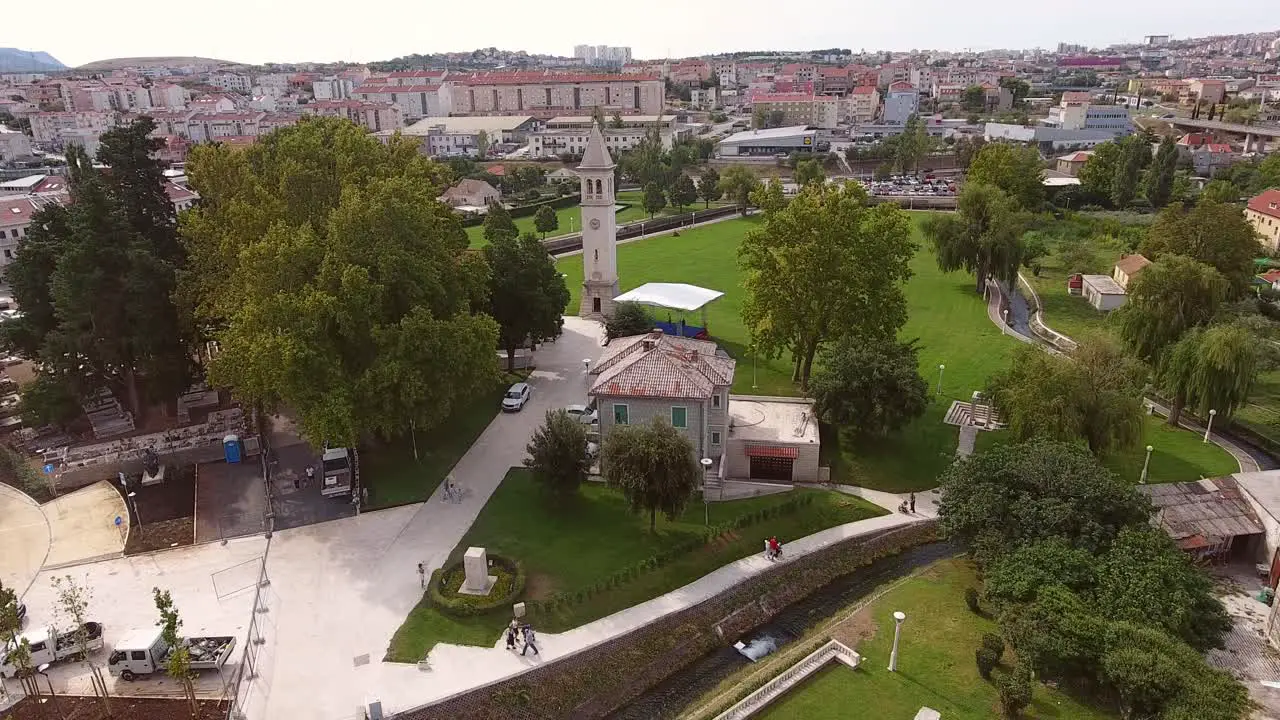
[(232, 448)]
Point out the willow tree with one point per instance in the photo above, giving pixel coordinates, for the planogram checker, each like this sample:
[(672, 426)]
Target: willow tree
[(983, 236), (1168, 298), (1209, 369)]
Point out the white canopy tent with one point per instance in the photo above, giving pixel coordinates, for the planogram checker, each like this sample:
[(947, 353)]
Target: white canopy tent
[(674, 296)]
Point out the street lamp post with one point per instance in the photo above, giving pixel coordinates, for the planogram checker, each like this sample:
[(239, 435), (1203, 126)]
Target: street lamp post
[(1145, 464), (898, 617), (706, 509), (133, 498), (1209, 428), (941, 368)]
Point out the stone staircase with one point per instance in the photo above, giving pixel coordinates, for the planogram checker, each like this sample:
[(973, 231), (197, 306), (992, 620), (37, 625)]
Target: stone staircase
[(787, 679)]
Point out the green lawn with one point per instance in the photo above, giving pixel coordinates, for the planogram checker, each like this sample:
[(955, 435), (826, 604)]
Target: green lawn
[(572, 548), (635, 211), (570, 220), (935, 665), (392, 474), (1070, 314), (1177, 455)]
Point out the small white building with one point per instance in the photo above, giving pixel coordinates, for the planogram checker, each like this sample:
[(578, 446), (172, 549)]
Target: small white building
[(471, 193), (772, 439), (1102, 292)]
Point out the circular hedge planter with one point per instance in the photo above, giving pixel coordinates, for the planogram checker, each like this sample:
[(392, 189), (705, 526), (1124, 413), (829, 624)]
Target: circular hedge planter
[(443, 588)]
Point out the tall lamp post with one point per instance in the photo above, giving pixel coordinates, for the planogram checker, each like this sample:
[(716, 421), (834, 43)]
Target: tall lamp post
[(133, 498), (707, 513), (941, 368), (898, 617), (1145, 464), (1209, 429)]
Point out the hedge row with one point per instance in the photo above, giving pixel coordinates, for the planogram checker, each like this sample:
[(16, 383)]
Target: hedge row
[(653, 562), (509, 586), (519, 211)]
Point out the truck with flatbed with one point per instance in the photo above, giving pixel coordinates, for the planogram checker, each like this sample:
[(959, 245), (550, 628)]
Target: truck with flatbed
[(145, 652), (48, 645), (337, 472)]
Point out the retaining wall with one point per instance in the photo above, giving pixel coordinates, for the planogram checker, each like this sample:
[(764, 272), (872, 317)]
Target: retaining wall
[(600, 679)]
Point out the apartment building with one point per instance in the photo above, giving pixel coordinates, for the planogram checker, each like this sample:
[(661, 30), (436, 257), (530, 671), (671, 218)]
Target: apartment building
[(799, 108), (54, 127), (234, 82), (571, 134), (332, 88), (450, 136), (549, 94), (900, 102), (373, 116), (411, 77), (861, 105), (1263, 212), (414, 101)]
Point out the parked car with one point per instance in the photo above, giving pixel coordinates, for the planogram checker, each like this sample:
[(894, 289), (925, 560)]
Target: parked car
[(517, 395), (583, 414)]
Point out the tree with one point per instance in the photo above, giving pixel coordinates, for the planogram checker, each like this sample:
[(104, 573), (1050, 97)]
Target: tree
[(1015, 169), (1209, 369), (776, 118), (738, 182), (809, 171), (1098, 175), (872, 387), (1159, 182), (482, 145), (527, 295), (1020, 88), (615, 122), (1017, 577), (545, 220), (178, 662), (912, 144), (1216, 234), (1014, 689), (1220, 191), (48, 400), (653, 200), (974, 99), (681, 193), (1135, 153), (966, 149), (1168, 298), (653, 466), (628, 318), (1016, 494), (983, 236), (883, 171), (498, 224), (709, 186), (558, 455), (351, 298), (73, 610), (1095, 395), (801, 261)]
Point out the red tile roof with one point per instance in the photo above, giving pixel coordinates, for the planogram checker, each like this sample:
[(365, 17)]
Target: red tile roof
[(386, 89), (1266, 202), (862, 90), (1271, 276), (781, 97), (534, 78), (901, 85), (417, 74)]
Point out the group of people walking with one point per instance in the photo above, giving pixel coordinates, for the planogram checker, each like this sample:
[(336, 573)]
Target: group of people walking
[(518, 631)]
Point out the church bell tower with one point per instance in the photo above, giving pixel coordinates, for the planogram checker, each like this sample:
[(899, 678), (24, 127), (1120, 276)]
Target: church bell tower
[(599, 230)]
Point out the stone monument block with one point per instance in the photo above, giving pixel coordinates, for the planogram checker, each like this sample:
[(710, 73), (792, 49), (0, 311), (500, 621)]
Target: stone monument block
[(475, 563)]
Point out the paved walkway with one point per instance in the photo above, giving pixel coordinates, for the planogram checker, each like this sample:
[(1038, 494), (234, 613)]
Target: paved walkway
[(1019, 330), (24, 537), (82, 525)]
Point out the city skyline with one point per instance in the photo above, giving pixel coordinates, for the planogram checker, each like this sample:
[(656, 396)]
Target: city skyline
[(291, 32)]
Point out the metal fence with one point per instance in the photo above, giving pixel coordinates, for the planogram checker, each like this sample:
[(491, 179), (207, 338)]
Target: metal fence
[(248, 682)]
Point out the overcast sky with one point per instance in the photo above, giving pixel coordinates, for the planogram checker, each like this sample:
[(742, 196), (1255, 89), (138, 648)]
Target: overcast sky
[(80, 31)]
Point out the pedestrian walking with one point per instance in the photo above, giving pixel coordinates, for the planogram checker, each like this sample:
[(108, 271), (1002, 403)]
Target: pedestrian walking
[(311, 475), (422, 575), (912, 500), (511, 635), (529, 640)]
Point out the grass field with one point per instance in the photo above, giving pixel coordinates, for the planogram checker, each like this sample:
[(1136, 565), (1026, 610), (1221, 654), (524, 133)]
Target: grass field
[(568, 549), (1176, 456), (395, 477), (570, 220), (935, 667)]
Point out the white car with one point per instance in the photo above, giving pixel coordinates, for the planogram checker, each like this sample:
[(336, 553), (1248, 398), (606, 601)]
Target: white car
[(582, 414), (517, 395)]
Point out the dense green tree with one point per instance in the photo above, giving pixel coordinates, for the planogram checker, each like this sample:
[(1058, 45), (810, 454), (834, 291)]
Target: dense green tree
[(49, 400), (1018, 576), (558, 455), (1220, 191), (966, 149), (1018, 87), (1098, 175), (1214, 233), (709, 186), (95, 279), (1159, 181), (1209, 369), (912, 144), (682, 192), (339, 285), (654, 467), (653, 199), (983, 236), (884, 171), (800, 262), (498, 224), (738, 183), (974, 99), (873, 387), (1014, 691), (628, 318), (1015, 169), (545, 220), (1168, 298), (1015, 494), (1095, 395), (809, 171), (527, 295), (1135, 154), (482, 145), (615, 122)]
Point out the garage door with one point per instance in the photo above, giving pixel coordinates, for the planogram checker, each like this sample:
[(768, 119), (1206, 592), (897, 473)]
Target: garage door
[(771, 468)]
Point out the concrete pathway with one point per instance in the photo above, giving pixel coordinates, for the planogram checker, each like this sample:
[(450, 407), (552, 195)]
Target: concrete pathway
[(82, 525), (995, 295), (24, 537)]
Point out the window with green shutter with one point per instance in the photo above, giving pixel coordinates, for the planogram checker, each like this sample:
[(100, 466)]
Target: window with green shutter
[(680, 417), (619, 414)]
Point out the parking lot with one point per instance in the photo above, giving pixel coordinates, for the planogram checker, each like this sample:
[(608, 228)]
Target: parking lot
[(230, 500), (294, 501)]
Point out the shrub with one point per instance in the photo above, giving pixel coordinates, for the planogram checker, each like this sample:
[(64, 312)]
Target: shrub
[(971, 599), (987, 661), (445, 581), (994, 643), (1015, 691)]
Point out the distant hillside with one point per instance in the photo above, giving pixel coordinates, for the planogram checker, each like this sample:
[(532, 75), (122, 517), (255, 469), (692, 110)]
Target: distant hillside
[(13, 60), (118, 63)]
